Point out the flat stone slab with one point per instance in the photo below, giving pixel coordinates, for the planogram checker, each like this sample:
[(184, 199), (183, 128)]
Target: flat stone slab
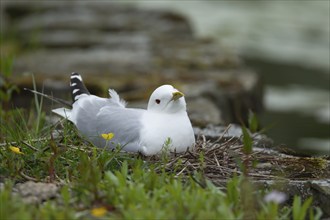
[(131, 50)]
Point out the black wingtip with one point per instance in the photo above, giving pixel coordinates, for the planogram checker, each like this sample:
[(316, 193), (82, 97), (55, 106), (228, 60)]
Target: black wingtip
[(77, 86), (75, 74)]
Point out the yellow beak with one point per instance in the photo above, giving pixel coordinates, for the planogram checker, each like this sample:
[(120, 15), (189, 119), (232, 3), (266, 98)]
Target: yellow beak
[(177, 95)]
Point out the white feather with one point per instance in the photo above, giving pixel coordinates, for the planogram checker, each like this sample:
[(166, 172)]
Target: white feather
[(74, 91), (77, 77), (63, 112), (115, 98)]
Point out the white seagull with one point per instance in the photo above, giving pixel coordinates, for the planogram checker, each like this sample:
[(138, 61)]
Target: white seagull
[(136, 130)]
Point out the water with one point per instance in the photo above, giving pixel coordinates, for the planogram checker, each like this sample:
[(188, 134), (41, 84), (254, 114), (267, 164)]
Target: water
[(297, 106), (287, 43)]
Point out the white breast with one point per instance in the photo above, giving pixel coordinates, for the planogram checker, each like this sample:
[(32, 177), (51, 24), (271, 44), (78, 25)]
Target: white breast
[(158, 127)]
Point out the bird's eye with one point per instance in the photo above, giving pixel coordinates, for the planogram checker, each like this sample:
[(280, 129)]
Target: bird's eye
[(157, 101)]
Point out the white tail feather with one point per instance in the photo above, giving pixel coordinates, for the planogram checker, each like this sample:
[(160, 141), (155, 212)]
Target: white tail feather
[(63, 112)]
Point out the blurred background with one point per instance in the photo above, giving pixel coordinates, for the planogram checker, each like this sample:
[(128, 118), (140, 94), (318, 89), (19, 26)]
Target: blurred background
[(287, 43), (214, 48)]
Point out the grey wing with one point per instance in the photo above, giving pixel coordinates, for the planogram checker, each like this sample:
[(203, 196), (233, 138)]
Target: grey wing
[(124, 123), (94, 116), (84, 115)]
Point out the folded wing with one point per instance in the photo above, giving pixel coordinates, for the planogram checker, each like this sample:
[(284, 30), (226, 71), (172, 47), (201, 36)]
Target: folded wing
[(94, 116)]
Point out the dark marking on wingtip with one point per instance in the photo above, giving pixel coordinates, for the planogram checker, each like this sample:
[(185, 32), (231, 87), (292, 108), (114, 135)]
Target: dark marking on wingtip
[(77, 86)]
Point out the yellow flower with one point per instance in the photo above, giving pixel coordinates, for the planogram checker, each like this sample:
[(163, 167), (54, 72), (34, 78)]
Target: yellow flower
[(108, 136), (99, 211), (16, 150)]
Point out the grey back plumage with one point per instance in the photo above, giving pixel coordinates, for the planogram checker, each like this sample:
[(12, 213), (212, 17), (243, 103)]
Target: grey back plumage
[(95, 116), (124, 123)]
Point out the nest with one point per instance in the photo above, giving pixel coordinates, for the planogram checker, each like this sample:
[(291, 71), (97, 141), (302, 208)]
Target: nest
[(224, 157)]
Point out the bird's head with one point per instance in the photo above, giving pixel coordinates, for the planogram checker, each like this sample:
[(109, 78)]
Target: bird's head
[(167, 99)]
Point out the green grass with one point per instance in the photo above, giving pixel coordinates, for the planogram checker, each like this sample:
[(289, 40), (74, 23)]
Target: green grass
[(127, 186), (98, 183)]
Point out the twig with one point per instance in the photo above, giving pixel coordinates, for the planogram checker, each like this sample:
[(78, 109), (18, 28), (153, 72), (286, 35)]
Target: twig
[(216, 160), (58, 100), (30, 146), (17, 142), (223, 134), (28, 177), (180, 172)]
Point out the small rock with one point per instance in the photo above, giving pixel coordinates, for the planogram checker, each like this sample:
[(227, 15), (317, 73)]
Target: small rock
[(321, 193), (203, 112), (35, 193), (213, 132)]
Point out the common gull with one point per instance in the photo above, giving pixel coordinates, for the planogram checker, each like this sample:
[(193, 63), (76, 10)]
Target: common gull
[(137, 130)]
